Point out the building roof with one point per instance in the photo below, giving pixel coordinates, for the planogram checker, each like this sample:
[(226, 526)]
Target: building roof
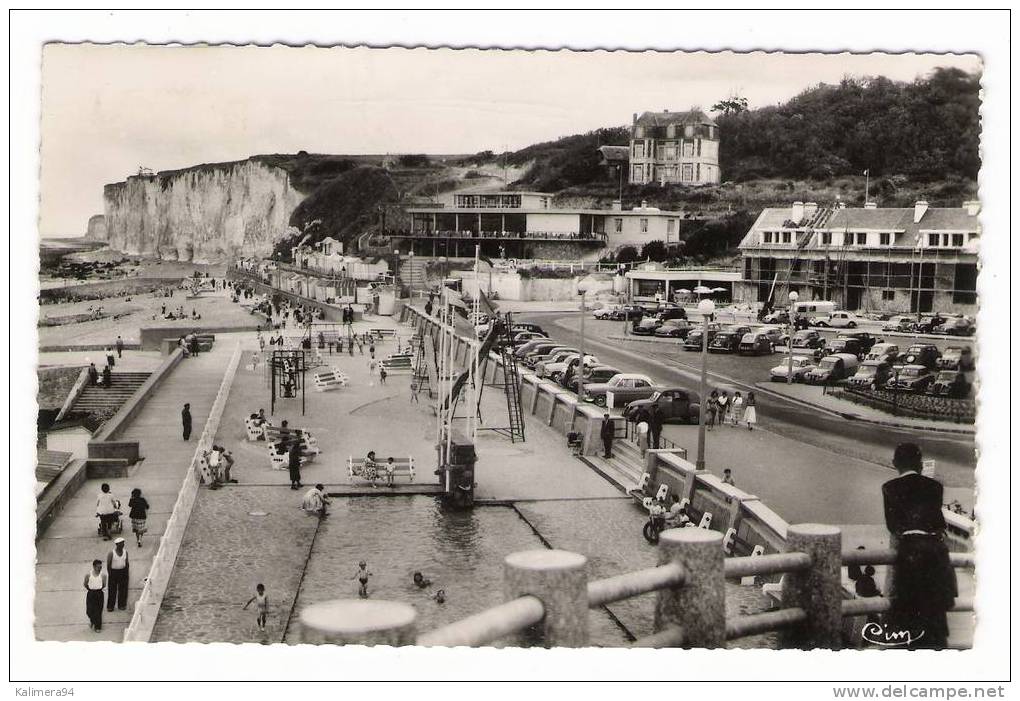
[(531, 210), (49, 464), (665, 118), (896, 220), (615, 153)]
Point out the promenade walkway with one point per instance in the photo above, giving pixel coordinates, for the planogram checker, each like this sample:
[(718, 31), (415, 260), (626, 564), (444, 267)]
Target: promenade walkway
[(64, 553)]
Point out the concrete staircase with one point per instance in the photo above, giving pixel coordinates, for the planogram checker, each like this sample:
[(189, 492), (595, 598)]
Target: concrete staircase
[(412, 272), (626, 466), (103, 399)]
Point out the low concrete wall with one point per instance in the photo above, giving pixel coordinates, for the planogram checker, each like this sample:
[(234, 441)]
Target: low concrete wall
[(125, 451), (332, 312), (152, 337), (109, 468), (57, 494)]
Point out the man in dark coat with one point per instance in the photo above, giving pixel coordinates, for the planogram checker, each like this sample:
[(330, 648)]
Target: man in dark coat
[(294, 463), (93, 375), (923, 580), (186, 421), (655, 425), (606, 432), (120, 346)]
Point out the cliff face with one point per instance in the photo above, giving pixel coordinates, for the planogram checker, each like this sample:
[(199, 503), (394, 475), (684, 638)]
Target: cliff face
[(203, 214), (96, 230)]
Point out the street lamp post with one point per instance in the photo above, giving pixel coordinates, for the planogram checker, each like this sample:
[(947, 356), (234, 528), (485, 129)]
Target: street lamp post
[(791, 316), (706, 307)]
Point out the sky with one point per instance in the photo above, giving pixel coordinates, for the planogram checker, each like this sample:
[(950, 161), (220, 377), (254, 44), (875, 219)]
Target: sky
[(106, 110)]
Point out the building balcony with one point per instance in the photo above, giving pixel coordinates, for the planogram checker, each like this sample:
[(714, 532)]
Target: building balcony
[(596, 239)]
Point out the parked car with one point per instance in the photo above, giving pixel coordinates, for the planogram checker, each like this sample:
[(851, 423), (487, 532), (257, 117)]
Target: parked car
[(900, 324), (558, 358), (777, 316), (725, 342), (628, 312), (672, 312), (911, 378), (924, 354), (887, 352), (833, 368), (872, 374), (755, 343), (531, 345), (534, 328), (956, 358), (808, 339), (802, 365), (950, 383), (930, 323), (846, 345), (675, 404), (646, 327), (608, 312), (569, 373), (674, 328), (534, 360), (960, 326), (867, 340), (693, 340), (554, 371), (596, 392), (524, 336), (837, 320), (600, 374), (776, 334), (631, 387)]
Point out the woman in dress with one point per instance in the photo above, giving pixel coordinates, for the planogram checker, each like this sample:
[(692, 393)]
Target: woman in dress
[(139, 513), (713, 408), (750, 413), (724, 407), (736, 408), (95, 583)]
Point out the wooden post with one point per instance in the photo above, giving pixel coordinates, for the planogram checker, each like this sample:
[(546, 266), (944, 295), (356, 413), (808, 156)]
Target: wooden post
[(358, 622), (559, 579), (817, 590), (699, 604)]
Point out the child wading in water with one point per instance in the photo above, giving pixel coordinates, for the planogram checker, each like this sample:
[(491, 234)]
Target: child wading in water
[(362, 576), (261, 606)]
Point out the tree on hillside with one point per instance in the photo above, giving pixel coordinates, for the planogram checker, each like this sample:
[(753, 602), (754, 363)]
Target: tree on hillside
[(655, 250), (731, 105), (627, 254)]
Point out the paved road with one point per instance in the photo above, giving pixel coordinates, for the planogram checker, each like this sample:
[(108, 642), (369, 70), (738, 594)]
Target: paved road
[(825, 435)]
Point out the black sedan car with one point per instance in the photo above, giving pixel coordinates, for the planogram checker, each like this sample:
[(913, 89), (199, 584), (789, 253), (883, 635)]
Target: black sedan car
[(725, 342), (867, 340), (911, 378)]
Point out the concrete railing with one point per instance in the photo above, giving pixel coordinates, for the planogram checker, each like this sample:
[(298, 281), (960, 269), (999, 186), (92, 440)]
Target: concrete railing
[(146, 609), (547, 592)]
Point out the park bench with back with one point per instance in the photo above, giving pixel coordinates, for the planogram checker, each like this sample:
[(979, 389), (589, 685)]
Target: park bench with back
[(382, 334), (398, 362), (278, 443), (358, 468)]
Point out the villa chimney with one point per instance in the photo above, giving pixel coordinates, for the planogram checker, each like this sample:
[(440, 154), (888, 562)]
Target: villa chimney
[(920, 207), (634, 119), (870, 205), (973, 207), (617, 205), (797, 212), (809, 209)]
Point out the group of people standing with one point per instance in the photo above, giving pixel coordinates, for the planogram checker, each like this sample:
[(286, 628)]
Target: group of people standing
[(114, 580), (722, 409)]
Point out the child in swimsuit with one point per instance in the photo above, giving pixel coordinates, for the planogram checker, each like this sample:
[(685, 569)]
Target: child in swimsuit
[(440, 596), (261, 605), (420, 581), (362, 576)]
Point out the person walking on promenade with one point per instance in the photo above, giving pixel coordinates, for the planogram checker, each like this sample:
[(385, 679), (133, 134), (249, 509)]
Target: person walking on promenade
[(120, 346), (95, 583), (294, 464), (350, 345), (712, 408), (371, 350), (107, 508), (923, 580), (750, 413), (117, 567), (655, 425), (606, 432), (139, 511), (382, 375), (736, 408), (261, 600), (109, 357), (724, 408), (93, 375), (186, 420), (107, 377)]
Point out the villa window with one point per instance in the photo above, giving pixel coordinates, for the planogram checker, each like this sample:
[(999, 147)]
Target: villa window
[(670, 225), (787, 237), (826, 238), (862, 238), (639, 149), (885, 239), (888, 295), (618, 223), (688, 148), (689, 131), (957, 240), (766, 237), (644, 226), (933, 240)]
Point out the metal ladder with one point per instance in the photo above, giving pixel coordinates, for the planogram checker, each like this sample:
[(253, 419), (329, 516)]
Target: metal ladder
[(511, 385)]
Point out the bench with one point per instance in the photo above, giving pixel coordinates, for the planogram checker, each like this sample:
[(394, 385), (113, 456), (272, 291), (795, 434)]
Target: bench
[(381, 334), (255, 429), (397, 363), (275, 435), (402, 467), (281, 461), (325, 381)]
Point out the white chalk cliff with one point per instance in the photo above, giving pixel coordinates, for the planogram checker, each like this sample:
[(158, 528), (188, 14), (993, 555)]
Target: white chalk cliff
[(203, 214)]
